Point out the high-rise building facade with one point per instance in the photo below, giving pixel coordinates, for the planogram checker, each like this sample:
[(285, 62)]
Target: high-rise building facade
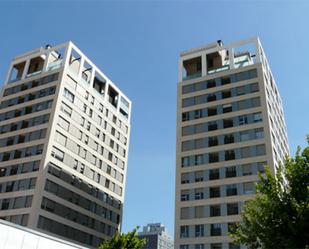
[(156, 237), (64, 135), (230, 123)]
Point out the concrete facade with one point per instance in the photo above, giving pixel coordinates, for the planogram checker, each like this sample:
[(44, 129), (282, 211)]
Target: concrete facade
[(156, 237), (64, 136), (230, 123)]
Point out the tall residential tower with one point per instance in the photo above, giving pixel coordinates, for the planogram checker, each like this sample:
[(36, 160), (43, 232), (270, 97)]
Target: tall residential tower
[(230, 123), (64, 135)]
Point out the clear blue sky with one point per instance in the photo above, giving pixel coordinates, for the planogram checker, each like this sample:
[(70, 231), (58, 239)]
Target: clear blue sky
[(137, 45)]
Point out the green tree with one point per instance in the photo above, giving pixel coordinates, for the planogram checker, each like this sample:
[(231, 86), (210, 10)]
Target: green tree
[(278, 217), (128, 240)]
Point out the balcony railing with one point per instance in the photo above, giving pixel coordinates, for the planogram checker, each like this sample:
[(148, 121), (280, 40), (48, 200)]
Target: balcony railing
[(192, 76), (54, 65)]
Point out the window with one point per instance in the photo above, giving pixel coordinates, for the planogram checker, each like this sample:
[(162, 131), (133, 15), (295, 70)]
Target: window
[(68, 95), (257, 117), (227, 123), (199, 176), (229, 155), (211, 83), (225, 80), (199, 194), (230, 171), (255, 102), (2, 172), (199, 246), (185, 213), (260, 150), (58, 154), (211, 97), (242, 120), (199, 230), (185, 195), (227, 108), (66, 109), (212, 141), (199, 212), (244, 136), (228, 139), (101, 107), (260, 167), (226, 94), (198, 114), (198, 159), (184, 247), (233, 246), (214, 192), (254, 87), (212, 126), (14, 170), (185, 162), (213, 157), (63, 123), (19, 202), (88, 126), (215, 210), (231, 189), (232, 208), (61, 139), (246, 170), (212, 111), (258, 133), (245, 152), (216, 246), (184, 231), (215, 230), (5, 204), (185, 178), (240, 90), (248, 188), (214, 174)]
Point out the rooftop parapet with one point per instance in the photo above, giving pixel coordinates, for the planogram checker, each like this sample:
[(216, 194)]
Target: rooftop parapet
[(46, 59), (217, 57)]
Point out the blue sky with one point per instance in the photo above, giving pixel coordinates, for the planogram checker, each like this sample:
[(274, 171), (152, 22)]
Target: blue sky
[(137, 45)]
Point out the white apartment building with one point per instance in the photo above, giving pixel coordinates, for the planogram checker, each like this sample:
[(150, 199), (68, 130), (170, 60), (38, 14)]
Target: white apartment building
[(64, 136), (230, 123)]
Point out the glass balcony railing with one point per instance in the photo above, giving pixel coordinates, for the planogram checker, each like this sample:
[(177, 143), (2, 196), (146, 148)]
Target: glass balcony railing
[(219, 69), (54, 65), (33, 74), (192, 76)]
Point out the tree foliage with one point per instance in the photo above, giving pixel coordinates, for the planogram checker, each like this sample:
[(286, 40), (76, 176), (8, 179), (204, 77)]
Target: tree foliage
[(128, 240), (279, 215)]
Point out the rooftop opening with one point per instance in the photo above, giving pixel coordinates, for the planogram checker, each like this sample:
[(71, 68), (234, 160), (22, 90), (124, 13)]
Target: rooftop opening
[(17, 72), (36, 65), (86, 72), (112, 96), (74, 62), (244, 55), (192, 68), (55, 59), (124, 107), (99, 83), (217, 61)]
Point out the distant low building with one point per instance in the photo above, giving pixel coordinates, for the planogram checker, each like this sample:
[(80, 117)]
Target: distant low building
[(156, 237)]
